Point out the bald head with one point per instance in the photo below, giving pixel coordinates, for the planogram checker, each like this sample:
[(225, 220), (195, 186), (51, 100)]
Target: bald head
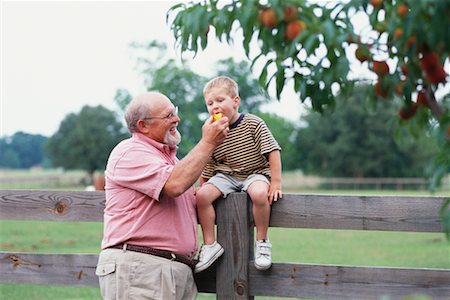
[(143, 106)]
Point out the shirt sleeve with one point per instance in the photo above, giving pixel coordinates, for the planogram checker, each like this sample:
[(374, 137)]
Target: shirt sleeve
[(264, 139)]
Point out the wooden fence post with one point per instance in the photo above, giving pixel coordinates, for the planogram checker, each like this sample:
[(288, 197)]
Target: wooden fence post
[(235, 234)]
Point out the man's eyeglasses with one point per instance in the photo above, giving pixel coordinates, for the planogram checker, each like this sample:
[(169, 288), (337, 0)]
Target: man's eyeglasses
[(172, 114)]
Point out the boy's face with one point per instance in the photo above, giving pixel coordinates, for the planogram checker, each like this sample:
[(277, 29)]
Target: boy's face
[(218, 99)]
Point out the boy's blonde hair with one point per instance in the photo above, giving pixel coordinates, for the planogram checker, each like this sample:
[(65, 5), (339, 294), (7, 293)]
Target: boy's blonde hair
[(225, 82)]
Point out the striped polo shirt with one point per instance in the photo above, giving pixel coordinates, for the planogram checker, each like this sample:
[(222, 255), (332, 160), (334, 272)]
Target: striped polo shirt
[(244, 151)]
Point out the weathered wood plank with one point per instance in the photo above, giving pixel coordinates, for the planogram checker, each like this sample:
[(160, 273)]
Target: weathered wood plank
[(234, 232), (419, 214), (282, 280), (51, 205), (346, 282), (55, 269)]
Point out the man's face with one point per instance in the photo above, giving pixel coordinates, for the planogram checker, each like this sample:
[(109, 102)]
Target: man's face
[(163, 125)]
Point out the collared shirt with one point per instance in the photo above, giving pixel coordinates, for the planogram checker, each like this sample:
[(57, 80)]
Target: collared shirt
[(137, 212), (244, 151)]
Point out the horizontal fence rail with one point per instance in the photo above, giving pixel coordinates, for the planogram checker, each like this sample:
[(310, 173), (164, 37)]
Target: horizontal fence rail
[(348, 282), (419, 214), (48, 180), (57, 269), (234, 276)]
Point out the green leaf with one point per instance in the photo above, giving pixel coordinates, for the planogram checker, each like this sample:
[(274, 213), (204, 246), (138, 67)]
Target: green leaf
[(297, 82), (309, 44), (263, 76), (329, 32), (280, 79), (173, 8)]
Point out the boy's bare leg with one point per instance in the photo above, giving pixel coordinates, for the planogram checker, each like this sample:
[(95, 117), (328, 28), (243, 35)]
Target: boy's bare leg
[(258, 192), (206, 195)]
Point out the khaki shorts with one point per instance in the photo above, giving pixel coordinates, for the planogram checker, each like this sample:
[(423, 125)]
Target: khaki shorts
[(133, 275), (228, 184)]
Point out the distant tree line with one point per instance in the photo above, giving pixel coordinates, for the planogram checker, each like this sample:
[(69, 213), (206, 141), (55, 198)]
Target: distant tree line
[(22, 151), (84, 140), (353, 141), (357, 141)]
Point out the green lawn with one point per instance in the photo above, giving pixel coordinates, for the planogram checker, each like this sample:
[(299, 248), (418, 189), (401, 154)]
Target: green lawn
[(294, 245)]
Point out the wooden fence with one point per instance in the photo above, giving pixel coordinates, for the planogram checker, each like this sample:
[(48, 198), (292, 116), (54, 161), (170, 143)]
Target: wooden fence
[(234, 276)]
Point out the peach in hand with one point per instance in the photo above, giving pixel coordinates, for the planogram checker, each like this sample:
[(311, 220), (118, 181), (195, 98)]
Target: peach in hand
[(217, 116)]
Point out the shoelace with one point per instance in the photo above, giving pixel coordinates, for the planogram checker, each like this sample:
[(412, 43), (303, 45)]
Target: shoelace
[(263, 249), (201, 254)]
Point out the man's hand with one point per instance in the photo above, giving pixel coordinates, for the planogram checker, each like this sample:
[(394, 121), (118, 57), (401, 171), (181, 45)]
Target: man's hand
[(214, 133), (188, 170)]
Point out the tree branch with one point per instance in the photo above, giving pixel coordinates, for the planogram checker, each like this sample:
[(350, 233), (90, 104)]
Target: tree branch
[(435, 108)]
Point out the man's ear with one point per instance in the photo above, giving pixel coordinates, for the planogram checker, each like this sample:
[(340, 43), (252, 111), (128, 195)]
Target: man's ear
[(143, 126)]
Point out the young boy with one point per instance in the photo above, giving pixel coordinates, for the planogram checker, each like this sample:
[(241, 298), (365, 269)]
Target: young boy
[(248, 160)]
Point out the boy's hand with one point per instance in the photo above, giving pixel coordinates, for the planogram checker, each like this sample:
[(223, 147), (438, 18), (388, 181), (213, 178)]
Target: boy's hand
[(275, 193)]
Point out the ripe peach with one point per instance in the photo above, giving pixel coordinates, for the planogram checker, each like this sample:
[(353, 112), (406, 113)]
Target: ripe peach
[(293, 29), (376, 3), (432, 67), (290, 13), (381, 68), (439, 75), (402, 10), (398, 33), (429, 60), (268, 17), (217, 116), (408, 111)]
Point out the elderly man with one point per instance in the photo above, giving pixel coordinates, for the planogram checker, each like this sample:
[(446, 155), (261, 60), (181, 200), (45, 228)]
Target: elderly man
[(150, 224)]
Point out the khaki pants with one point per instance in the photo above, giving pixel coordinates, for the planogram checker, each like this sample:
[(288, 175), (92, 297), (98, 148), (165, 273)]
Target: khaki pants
[(131, 275)]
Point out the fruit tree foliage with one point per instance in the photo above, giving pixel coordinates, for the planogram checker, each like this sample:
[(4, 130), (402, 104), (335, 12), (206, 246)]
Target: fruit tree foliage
[(404, 47)]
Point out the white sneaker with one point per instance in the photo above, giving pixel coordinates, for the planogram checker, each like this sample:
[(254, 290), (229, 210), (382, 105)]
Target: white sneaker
[(208, 255), (263, 255)]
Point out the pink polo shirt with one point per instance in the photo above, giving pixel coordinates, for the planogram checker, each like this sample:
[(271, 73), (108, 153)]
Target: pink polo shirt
[(136, 210)]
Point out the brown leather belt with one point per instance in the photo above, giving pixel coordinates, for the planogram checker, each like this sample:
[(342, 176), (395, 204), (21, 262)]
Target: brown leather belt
[(157, 252)]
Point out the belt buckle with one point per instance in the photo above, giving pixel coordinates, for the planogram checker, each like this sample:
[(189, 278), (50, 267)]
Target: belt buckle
[(174, 257)]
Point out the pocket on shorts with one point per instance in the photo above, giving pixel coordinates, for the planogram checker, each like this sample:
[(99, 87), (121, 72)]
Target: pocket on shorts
[(107, 278), (105, 269)]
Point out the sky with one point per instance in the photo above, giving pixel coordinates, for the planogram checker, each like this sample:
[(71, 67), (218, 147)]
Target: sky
[(58, 56)]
